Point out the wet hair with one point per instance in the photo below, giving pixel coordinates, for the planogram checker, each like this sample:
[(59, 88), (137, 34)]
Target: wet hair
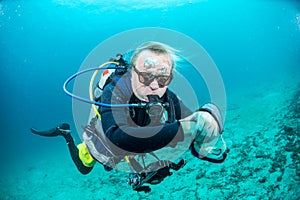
[(158, 48)]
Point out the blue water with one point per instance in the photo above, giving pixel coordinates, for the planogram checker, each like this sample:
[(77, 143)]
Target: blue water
[(43, 42)]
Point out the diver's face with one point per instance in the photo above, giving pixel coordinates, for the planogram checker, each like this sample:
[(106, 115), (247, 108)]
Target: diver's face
[(151, 74)]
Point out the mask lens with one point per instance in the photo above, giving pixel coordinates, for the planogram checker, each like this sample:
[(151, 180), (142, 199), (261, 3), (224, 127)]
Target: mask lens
[(146, 78), (164, 80)]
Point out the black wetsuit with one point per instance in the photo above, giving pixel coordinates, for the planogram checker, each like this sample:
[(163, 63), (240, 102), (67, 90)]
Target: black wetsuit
[(132, 129)]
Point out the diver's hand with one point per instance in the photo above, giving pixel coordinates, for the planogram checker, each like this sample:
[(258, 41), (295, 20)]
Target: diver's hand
[(201, 124), (207, 125), (189, 124)]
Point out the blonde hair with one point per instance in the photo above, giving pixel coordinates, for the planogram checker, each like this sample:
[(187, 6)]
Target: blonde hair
[(158, 48)]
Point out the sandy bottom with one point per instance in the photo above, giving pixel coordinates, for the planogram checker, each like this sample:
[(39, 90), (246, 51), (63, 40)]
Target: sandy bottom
[(262, 126)]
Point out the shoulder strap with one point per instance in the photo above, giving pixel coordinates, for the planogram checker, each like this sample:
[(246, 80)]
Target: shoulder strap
[(171, 108)]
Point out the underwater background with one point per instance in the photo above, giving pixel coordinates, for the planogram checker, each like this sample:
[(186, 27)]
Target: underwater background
[(255, 45)]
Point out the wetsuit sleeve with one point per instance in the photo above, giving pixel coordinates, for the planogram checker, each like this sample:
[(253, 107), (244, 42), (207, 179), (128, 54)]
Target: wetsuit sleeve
[(125, 134)]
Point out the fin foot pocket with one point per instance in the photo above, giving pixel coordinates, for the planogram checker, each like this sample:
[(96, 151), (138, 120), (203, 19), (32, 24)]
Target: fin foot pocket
[(62, 129)]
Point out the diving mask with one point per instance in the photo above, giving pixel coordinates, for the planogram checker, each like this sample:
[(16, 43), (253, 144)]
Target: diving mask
[(147, 78)]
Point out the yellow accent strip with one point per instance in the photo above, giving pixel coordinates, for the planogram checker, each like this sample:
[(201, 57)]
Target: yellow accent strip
[(127, 159), (85, 156), (91, 87)]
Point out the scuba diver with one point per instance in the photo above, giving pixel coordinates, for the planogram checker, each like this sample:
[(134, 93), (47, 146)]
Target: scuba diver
[(152, 118)]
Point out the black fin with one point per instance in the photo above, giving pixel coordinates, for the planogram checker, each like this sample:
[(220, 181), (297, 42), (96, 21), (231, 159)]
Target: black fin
[(59, 130)]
